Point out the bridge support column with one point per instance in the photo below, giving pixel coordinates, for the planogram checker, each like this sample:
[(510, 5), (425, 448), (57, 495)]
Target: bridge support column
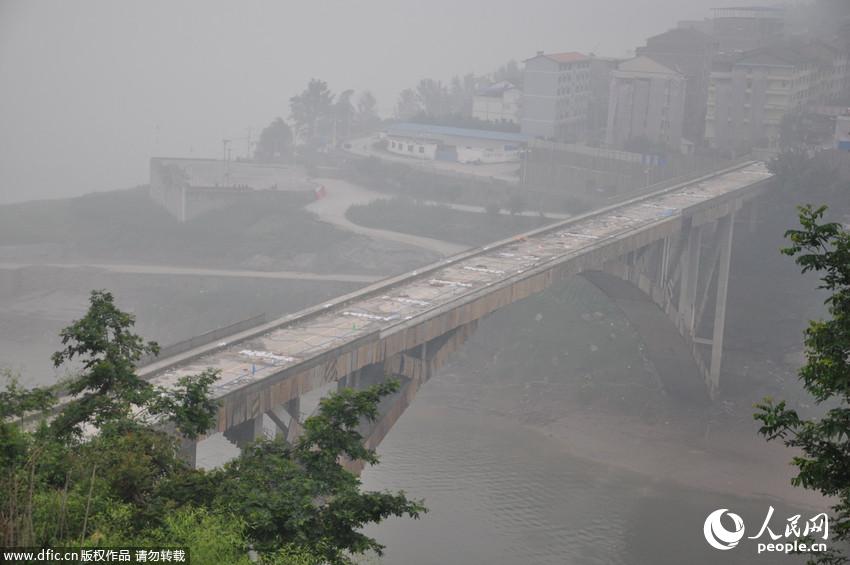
[(689, 277), (188, 451), (287, 419), (724, 240), (753, 220), (246, 432)]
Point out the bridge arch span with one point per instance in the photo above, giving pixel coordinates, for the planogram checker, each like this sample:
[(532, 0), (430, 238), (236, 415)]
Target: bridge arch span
[(666, 348)]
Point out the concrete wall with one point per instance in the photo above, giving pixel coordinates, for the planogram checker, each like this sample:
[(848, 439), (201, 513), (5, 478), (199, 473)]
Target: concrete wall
[(746, 106), (504, 108), (188, 188), (691, 54), (409, 147), (467, 149), (487, 154), (539, 100), (645, 106)]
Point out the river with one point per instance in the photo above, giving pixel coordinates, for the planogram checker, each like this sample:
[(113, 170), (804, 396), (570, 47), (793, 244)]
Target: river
[(502, 485), (500, 493)]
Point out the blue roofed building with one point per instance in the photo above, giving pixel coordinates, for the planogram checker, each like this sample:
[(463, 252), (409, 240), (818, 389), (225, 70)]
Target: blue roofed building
[(432, 142)]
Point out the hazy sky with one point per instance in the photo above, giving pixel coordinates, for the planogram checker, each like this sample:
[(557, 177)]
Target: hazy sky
[(90, 90)]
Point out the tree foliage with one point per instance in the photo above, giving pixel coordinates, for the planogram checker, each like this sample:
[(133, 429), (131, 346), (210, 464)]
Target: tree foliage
[(367, 110), (275, 143), (106, 471), (311, 109), (303, 494), (408, 104), (823, 442), (343, 113), (106, 386)]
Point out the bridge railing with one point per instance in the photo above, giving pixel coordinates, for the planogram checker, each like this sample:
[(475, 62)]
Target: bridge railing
[(387, 284), (204, 339), (689, 177)]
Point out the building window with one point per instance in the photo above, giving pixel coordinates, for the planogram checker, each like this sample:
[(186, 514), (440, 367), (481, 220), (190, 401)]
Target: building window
[(410, 148), (422, 149)]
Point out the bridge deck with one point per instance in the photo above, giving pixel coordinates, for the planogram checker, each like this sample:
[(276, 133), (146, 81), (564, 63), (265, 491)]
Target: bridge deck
[(300, 338)]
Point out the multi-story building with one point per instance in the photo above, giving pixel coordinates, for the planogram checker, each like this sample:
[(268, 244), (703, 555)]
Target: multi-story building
[(831, 80), (600, 90), (689, 52), (647, 103), (498, 102), (743, 28), (556, 96), (751, 93)]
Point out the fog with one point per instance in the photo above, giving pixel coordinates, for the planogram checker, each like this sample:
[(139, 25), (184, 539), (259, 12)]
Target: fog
[(93, 89), (537, 251)]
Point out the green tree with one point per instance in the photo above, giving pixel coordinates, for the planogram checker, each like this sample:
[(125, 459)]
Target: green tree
[(461, 94), (311, 108), (433, 96), (188, 405), (510, 72), (275, 143), (824, 441), (367, 110), (303, 495), (408, 104), (343, 114), (107, 386), (123, 483)]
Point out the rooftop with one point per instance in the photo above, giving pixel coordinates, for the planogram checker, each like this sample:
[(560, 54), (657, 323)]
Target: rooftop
[(790, 53), (496, 89), (681, 34), (644, 64), (567, 57)]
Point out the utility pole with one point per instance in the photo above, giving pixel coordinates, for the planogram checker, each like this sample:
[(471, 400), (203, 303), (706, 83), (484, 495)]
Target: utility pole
[(224, 153)]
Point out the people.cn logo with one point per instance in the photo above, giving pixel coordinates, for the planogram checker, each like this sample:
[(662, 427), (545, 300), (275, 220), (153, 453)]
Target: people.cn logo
[(716, 533)]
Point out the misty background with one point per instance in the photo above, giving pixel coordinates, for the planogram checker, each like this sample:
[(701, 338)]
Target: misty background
[(91, 90)]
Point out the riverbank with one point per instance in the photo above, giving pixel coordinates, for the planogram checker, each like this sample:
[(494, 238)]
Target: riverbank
[(718, 457), (127, 227)]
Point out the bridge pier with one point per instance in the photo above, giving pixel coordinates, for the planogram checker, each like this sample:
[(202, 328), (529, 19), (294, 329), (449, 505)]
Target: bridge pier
[(725, 227), (286, 419), (188, 451), (689, 278), (246, 432)]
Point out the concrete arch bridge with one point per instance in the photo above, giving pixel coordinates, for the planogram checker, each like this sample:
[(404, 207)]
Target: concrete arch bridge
[(663, 257)]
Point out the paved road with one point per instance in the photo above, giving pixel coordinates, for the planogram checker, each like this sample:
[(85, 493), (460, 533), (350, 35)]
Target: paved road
[(341, 195), (200, 272)]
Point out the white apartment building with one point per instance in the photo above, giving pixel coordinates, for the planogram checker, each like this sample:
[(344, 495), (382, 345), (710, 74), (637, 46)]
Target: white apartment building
[(556, 96)]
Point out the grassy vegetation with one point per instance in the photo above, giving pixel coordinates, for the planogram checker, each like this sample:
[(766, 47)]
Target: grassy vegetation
[(441, 222), (127, 226)]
